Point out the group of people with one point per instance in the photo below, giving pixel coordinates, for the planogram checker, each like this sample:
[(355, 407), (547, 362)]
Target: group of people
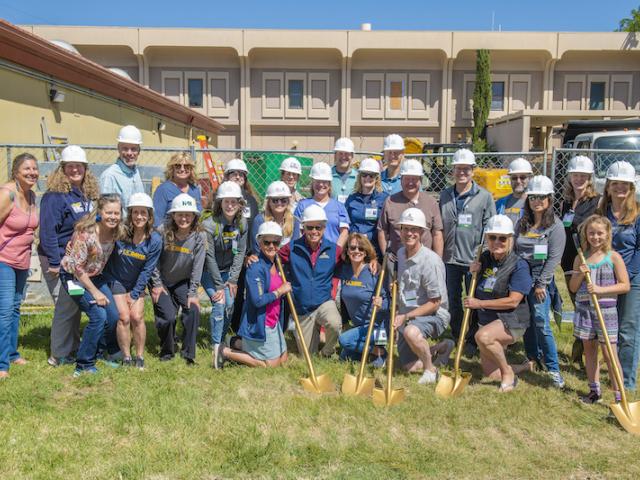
[(104, 243)]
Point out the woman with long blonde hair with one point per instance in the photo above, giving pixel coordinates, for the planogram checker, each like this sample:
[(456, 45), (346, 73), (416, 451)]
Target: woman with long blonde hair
[(180, 177), (277, 209)]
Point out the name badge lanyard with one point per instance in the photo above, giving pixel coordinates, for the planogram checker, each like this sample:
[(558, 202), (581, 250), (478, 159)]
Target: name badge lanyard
[(460, 211)]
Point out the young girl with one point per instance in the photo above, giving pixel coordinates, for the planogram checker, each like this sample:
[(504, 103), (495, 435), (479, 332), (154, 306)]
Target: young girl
[(129, 272), (610, 278), (87, 253), (227, 232), (177, 277)]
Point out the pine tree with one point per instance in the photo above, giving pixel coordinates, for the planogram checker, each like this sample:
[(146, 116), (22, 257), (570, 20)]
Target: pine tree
[(481, 99)]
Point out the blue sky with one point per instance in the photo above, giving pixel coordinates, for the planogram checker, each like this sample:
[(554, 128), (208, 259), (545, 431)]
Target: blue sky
[(549, 15)]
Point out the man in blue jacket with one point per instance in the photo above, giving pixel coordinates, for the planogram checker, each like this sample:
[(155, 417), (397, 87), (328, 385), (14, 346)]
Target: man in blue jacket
[(312, 261)]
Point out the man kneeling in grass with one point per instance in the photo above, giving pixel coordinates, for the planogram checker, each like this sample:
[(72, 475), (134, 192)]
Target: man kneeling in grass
[(422, 301)]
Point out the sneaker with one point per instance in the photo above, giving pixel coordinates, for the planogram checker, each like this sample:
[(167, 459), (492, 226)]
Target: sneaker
[(428, 377), (557, 379), (190, 362), (127, 362), (593, 397), (90, 371), (116, 357), (56, 362), (167, 357), (214, 355), (110, 363), (218, 359), (380, 361), (139, 362), (442, 358)]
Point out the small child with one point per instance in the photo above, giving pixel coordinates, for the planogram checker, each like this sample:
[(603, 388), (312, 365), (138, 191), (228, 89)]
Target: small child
[(610, 279)]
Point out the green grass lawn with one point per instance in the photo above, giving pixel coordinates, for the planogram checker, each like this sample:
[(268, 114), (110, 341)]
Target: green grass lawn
[(174, 421)]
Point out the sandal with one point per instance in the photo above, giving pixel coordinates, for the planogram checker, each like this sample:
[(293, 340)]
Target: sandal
[(508, 387)]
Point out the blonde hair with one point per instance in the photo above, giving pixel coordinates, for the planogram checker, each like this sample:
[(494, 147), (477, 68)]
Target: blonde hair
[(18, 161), (177, 159), (59, 182), (358, 186), (630, 208), (595, 218), (288, 220), (363, 242), (90, 221), (330, 187), (569, 194)]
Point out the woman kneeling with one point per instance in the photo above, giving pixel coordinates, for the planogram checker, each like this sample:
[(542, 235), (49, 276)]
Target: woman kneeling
[(503, 315), (264, 314)]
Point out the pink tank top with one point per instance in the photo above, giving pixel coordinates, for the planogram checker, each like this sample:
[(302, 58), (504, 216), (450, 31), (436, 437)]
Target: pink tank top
[(273, 309), (16, 236)]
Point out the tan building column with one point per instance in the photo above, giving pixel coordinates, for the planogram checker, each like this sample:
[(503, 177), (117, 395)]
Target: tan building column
[(345, 96), (244, 111), (445, 101), (143, 70), (547, 94)]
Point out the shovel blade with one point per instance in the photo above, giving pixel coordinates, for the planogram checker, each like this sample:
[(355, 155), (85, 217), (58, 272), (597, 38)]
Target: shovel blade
[(351, 386), (323, 384), (631, 423), (382, 398), (451, 385)]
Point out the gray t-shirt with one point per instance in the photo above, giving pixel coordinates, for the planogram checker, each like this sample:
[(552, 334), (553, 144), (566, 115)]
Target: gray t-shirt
[(511, 206), (422, 278)]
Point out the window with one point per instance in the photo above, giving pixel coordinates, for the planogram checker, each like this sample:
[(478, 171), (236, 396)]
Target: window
[(396, 93), (419, 95), (596, 96), (372, 95), (519, 87), (296, 94), (218, 83), (296, 104), (620, 92), (172, 85), (195, 89), (272, 95), (497, 96), (318, 103)]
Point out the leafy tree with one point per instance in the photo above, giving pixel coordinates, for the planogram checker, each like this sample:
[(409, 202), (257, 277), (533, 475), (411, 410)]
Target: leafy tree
[(481, 100), (631, 24)]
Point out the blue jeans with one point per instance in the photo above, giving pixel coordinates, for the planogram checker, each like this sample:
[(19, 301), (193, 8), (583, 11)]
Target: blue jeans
[(352, 342), (629, 333), (12, 287), (102, 322), (538, 338), (456, 274), (221, 313)]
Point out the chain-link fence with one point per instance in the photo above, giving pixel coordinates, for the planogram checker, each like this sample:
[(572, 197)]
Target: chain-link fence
[(602, 160)]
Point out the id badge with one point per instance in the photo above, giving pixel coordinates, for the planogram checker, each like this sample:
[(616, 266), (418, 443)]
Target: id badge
[(342, 198), (78, 207), (567, 220), (370, 213), (411, 298), (464, 220), (74, 289), (540, 252), (489, 284), (246, 212), (380, 336)]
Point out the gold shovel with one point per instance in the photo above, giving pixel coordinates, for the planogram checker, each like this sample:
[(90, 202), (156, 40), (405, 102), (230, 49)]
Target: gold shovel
[(314, 384), (362, 385), (628, 414), (388, 395), (451, 384)]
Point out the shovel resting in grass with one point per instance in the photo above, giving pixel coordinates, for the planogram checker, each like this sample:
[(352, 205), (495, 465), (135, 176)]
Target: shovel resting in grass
[(628, 414), (360, 384), (451, 384), (315, 383)]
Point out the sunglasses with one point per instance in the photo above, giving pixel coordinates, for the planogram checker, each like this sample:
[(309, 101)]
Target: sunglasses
[(267, 243), (311, 228), (280, 201), (368, 175), (356, 248), (500, 238), (537, 198), (183, 167), (522, 178)]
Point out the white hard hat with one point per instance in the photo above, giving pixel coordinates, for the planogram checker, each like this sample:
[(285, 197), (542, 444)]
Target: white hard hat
[(130, 134), (184, 203), (278, 189), (140, 200), (621, 172), (229, 189), (413, 217), (370, 165), (343, 144), (291, 164), (411, 167), (500, 225), (580, 164), (73, 153), (464, 157), (236, 165), (540, 185), (321, 171), (393, 142), (269, 228), (314, 213), (520, 165)]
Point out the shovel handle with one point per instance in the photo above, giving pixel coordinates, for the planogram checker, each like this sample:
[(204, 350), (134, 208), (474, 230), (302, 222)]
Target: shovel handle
[(467, 314), (296, 320), (374, 312), (392, 335), (596, 306)]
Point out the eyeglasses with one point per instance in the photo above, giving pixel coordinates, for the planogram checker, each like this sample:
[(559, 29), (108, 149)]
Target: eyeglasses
[(275, 243), (235, 173), (183, 167), (500, 238), (356, 248), (522, 178), (537, 198), (310, 228), (279, 201), (368, 175)]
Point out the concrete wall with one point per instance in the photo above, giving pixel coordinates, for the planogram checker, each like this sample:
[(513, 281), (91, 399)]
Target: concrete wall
[(512, 136)]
